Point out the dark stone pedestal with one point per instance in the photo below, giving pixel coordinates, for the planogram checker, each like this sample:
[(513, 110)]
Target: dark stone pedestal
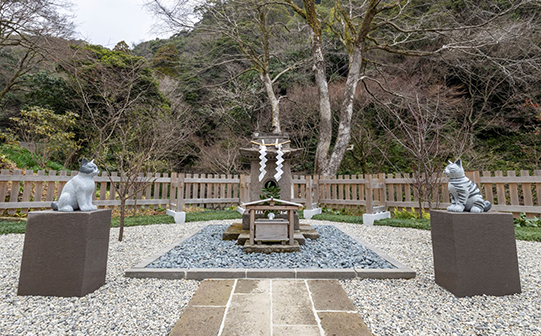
[(475, 254), (65, 253)]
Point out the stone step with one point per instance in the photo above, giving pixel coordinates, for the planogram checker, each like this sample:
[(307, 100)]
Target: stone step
[(245, 236), (234, 230), (269, 248)]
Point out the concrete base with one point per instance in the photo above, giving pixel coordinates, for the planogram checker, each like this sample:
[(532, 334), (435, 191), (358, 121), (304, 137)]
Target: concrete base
[(475, 254), (368, 219), (235, 232), (308, 214), (65, 253), (180, 216), (269, 248), (245, 236)]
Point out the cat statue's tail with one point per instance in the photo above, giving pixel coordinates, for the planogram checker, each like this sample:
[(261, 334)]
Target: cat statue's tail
[(54, 206)]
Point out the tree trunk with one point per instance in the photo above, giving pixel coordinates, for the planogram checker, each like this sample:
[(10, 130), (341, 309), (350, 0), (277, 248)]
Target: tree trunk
[(325, 114), (122, 215), (275, 102), (346, 113)]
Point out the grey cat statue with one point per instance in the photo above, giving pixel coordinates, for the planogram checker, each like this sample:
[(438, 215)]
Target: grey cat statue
[(77, 193), (465, 195)]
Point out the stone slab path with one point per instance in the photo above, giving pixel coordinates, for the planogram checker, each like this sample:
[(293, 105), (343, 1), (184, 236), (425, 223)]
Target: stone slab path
[(270, 307)]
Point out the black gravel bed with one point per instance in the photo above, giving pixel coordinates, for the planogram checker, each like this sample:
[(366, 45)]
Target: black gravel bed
[(334, 249)]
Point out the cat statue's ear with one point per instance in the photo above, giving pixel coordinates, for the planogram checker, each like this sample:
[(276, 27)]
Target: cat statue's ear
[(459, 162), (84, 161), (450, 162), (92, 161)]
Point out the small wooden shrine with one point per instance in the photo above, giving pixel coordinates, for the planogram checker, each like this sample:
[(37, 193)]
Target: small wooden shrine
[(270, 166), (269, 229)]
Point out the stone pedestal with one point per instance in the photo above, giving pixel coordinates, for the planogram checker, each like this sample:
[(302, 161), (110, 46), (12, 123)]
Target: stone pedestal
[(475, 254), (65, 253)]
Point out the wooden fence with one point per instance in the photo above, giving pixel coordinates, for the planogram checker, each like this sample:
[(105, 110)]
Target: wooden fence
[(510, 192)]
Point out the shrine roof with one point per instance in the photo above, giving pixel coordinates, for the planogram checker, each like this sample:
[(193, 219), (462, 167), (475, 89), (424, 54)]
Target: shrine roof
[(277, 200)]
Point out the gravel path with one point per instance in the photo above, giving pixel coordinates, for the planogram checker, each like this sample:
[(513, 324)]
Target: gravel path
[(125, 306)]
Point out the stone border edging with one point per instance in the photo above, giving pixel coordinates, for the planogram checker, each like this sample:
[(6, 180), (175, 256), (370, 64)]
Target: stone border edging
[(140, 271)]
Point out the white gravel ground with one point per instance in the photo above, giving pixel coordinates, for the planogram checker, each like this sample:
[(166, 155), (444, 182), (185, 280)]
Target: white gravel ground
[(420, 307), (125, 306)]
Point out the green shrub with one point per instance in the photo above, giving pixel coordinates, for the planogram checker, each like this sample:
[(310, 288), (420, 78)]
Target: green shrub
[(405, 214), (522, 221), (24, 159)]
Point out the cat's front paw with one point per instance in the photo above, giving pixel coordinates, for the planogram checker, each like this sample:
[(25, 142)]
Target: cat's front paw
[(93, 207), (455, 208), (476, 210)]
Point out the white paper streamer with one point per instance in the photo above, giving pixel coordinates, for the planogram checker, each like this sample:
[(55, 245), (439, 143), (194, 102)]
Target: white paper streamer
[(262, 161), (279, 161)]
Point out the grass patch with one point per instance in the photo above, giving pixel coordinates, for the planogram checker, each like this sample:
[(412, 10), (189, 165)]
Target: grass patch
[(339, 218), (165, 219), (528, 233), (12, 227), (521, 233), (212, 215), (142, 220), (423, 224), (20, 227)]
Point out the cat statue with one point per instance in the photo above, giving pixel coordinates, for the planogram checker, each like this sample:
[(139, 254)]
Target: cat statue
[(465, 195), (77, 193)]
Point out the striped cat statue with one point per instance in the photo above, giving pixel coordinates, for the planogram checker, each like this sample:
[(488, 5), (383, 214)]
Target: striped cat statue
[(465, 195)]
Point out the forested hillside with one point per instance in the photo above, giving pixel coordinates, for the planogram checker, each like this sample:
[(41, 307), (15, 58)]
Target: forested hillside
[(407, 82)]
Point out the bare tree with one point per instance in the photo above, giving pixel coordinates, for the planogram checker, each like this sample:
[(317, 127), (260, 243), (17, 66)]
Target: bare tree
[(421, 125), (258, 30), (401, 27), (130, 125), (29, 29), (140, 140)]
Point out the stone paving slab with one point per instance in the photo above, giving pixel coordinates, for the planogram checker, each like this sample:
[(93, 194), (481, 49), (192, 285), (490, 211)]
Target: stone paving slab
[(288, 330), (278, 307), (213, 293), (329, 295), (248, 314), (291, 303), (343, 324), (199, 321)]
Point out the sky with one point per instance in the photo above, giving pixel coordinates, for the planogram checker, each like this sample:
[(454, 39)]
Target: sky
[(107, 22)]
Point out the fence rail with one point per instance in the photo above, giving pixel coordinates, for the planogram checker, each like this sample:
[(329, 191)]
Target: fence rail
[(510, 191)]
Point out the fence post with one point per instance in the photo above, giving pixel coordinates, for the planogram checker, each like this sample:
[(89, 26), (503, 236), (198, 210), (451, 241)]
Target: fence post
[(369, 193), (180, 192), (308, 193), (383, 193), (316, 195), (242, 189)]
